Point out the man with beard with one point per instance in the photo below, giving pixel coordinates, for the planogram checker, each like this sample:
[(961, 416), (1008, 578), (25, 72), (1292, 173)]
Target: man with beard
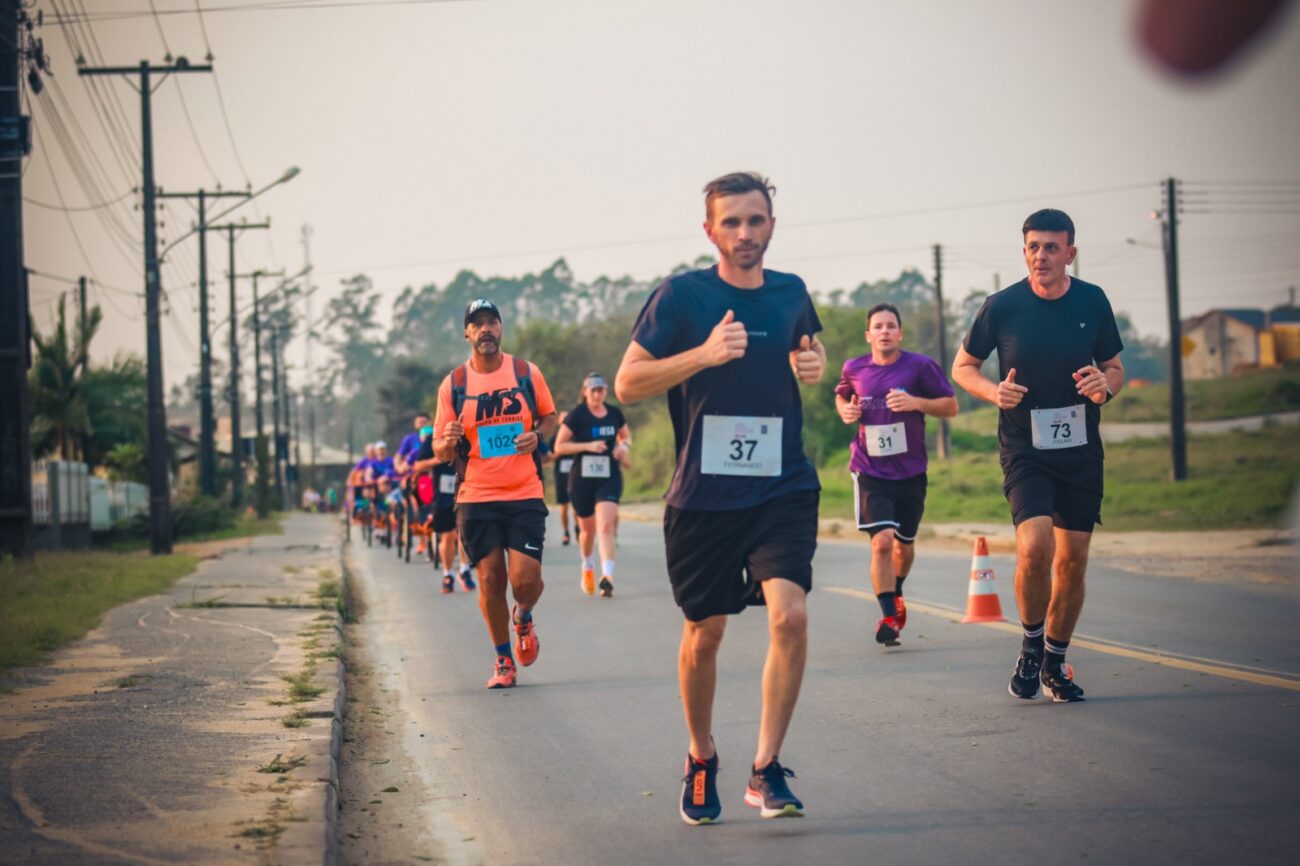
[(492, 412), (730, 345)]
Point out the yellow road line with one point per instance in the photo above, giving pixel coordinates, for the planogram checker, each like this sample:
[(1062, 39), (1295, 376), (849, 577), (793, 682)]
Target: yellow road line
[(1156, 658)]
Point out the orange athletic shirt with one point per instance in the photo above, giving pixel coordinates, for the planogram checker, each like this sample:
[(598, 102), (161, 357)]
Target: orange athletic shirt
[(495, 479)]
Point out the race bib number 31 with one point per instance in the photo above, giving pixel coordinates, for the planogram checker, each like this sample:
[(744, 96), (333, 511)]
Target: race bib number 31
[(498, 440), (884, 440), (741, 445), (1054, 429)]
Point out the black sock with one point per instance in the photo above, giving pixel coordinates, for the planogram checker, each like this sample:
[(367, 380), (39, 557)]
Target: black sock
[(1055, 656), (887, 603), (1033, 637), (898, 584)]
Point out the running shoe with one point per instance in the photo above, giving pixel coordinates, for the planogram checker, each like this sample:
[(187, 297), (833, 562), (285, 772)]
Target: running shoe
[(448, 584), (566, 539), (887, 631), (901, 616), (503, 676), (700, 803), (467, 580), (1060, 682), (769, 792), (589, 581), (606, 587), (527, 645), (1024, 678)]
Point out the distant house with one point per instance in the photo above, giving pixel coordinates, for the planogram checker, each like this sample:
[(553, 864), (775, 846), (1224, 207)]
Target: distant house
[(1225, 341)]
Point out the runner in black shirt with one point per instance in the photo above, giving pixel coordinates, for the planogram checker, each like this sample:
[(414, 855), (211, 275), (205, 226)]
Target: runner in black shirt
[(727, 345), (596, 437), (562, 467), (1058, 360)]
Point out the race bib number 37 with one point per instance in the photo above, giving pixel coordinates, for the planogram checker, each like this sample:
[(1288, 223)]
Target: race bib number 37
[(1054, 429), (741, 445), (498, 440)]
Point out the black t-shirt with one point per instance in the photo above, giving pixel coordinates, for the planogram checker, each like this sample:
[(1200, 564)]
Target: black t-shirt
[(444, 476), (586, 427), (1046, 342), (761, 387)]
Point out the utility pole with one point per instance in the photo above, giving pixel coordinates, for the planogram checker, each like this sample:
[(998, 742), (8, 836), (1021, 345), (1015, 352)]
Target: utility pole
[(236, 438), (942, 443), (275, 413), (207, 419), (259, 436), (1177, 419), (160, 519), (15, 348), (310, 392)]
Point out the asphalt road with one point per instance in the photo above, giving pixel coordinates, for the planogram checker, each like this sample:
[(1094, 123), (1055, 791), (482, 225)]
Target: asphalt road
[(1185, 752)]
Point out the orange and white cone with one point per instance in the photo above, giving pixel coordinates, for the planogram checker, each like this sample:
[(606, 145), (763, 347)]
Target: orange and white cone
[(982, 603)]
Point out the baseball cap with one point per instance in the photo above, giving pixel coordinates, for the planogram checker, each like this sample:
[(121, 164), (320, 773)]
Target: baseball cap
[(381, 444), (594, 380), (478, 305)]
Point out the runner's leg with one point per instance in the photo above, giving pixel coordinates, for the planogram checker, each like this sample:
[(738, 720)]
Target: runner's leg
[(787, 620), (492, 596), (697, 676), (525, 580), (606, 525), (904, 555), (1068, 566), (1035, 548)]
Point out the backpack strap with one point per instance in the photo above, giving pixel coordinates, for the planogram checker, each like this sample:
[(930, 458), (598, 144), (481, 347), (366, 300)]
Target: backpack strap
[(524, 379), (459, 384)]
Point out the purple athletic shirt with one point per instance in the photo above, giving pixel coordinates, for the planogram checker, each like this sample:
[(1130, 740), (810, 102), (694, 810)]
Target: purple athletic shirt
[(914, 373), (409, 445)]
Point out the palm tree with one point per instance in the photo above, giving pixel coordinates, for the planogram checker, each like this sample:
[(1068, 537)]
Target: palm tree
[(60, 416)]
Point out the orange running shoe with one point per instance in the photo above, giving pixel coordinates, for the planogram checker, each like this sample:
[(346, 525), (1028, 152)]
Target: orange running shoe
[(902, 612), (527, 645), (589, 581), (504, 675)]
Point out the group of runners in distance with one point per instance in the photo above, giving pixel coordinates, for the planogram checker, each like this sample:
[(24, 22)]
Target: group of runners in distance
[(730, 345)]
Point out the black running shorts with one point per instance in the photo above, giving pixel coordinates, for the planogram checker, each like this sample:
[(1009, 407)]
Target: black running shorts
[(488, 526), (886, 504), (717, 560), (562, 480), (1069, 493), (585, 493), (444, 520)]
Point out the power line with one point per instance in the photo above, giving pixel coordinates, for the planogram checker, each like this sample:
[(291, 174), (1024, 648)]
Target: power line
[(75, 208), (264, 6)]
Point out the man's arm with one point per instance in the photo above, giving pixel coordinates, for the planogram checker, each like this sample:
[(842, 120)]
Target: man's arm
[(526, 443), (808, 362), (966, 373), (642, 375), (1094, 382), (939, 407)]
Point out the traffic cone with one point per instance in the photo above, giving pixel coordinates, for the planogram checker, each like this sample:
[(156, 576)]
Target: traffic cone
[(982, 603)]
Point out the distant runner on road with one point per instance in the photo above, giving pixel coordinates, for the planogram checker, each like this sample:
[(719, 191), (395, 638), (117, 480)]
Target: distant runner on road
[(595, 435), (729, 345), (1058, 351), (886, 395), (563, 465), (492, 412)]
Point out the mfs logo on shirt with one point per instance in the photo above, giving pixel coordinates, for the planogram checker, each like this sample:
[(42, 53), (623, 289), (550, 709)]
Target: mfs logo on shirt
[(494, 404)]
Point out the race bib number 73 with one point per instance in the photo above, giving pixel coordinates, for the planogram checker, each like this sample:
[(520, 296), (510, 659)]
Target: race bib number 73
[(1054, 429), (741, 445)]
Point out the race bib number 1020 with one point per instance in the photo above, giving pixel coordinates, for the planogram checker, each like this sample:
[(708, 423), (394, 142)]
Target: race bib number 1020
[(741, 445)]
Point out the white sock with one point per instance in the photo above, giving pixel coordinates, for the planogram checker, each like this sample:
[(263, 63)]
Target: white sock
[(607, 567), (589, 562), (446, 574)]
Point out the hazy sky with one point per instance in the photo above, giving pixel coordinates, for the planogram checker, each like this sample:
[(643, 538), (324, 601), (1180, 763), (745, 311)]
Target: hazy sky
[(500, 134)]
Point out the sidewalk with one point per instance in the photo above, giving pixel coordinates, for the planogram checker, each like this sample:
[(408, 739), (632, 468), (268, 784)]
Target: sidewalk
[(197, 726)]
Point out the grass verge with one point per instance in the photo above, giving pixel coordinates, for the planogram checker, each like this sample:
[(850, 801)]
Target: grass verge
[(245, 525), (1237, 480), (58, 597)]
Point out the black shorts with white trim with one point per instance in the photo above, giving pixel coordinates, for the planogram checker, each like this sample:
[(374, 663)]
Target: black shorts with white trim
[(882, 503)]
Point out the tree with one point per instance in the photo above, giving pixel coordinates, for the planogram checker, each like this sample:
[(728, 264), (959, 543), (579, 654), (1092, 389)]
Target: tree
[(60, 419), (114, 394)]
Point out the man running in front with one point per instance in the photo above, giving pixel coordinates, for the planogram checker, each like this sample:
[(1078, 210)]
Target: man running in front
[(886, 395), (492, 412), (730, 345), (1058, 351)]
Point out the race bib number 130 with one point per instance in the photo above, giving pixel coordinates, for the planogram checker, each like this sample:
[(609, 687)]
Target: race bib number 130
[(1053, 429), (741, 445)]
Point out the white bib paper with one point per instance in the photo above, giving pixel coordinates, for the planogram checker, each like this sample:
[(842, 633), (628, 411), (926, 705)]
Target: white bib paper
[(884, 440), (447, 484), (741, 445), (1054, 429), (595, 466), (566, 464)]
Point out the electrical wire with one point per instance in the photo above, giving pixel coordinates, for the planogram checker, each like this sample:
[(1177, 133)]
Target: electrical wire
[(76, 208)]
